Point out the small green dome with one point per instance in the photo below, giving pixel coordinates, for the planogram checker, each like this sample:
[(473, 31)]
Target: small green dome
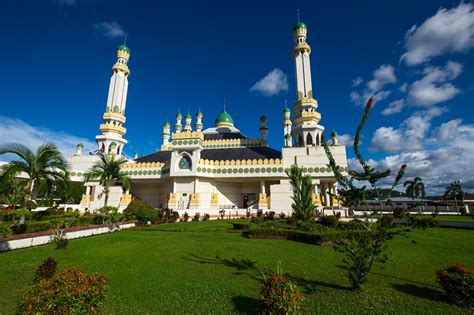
[(199, 114), (333, 133), (224, 119), (124, 48), (179, 116), (286, 110), (299, 25), (188, 115), (263, 119), (79, 145), (166, 125), (113, 144), (287, 136)]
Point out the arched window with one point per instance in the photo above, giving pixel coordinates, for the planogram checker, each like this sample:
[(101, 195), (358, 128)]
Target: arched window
[(309, 139), (103, 148), (317, 139), (185, 163)]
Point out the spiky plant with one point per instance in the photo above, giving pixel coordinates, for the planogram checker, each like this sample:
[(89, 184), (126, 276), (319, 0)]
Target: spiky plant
[(415, 189), (303, 188), (108, 172), (454, 191), (46, 165)]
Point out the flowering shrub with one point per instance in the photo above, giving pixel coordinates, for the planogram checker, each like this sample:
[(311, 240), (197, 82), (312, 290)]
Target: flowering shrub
[(458, 283), (280, 295), (47, 269), (68, 292), (140, 211)]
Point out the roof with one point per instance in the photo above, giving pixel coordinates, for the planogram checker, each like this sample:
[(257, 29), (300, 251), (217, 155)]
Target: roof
[(240, 153), (219, 154), (299, 25), (227, 135), (224, 118), (124, 48)]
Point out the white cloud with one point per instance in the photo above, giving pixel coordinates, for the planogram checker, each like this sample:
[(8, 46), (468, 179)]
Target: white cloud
[(272, 84), (110, 29), (453, 130), (409, 136), (346, 139), (16, 130), (434, 87), (404, 87), (394, 107), (382, 76), (66, 2), (447, 31), (357, 81)]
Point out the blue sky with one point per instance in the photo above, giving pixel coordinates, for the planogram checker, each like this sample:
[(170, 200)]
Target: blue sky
[(415, 56)]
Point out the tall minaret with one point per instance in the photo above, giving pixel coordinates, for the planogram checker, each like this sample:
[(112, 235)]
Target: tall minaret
[(307, 132), (187, 123), (287, 127), (263, 129), (198, 125), (166, 136), (178, 127), (112, 131)]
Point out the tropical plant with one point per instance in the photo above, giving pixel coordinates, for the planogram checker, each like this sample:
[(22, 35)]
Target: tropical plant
[(303, 189), (107, 171), (46, 165), (458, 283), (46, 270), (12, 191), (415, 189), (454, 191)]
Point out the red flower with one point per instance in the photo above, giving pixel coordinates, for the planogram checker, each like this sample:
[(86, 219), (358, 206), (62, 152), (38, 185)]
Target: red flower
[(369, 102)]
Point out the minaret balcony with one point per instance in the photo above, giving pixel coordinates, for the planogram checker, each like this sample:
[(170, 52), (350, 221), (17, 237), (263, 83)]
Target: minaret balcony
[(104, 128), (114, 116), (121, 67)]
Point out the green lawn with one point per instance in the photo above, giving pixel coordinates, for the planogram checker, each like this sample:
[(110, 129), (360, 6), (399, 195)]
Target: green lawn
[(206, 268), (460, 218)]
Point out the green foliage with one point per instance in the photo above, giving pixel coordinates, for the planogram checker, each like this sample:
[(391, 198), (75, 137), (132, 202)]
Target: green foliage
[(69, 291), (206, 217), (110, 215), (329, 220), (458, 283), (361, 251), (141, 212), (46, 270), (45, 166), (415, 189), (282, 216), (108, 172), (269, 216), (454, 191), (303, 189), (186, 217), (280, 295), (60, 227), (16, 215), (197, 216)]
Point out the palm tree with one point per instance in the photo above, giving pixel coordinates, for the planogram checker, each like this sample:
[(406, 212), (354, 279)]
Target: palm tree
[(454, 191), (415, 189), (46, 165), (107, 171), (303, 188)]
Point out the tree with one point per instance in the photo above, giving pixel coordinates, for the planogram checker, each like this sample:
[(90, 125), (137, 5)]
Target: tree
[(415, 189), (303, 188), (46, 165), (454, 191), (107, 171)]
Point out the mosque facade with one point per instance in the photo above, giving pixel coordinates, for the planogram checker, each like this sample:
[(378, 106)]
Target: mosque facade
[(208, 170)]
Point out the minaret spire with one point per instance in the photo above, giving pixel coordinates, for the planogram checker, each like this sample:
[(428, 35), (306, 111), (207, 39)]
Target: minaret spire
[(111, 139)]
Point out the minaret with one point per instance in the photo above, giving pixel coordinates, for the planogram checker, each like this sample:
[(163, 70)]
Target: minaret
[(263, 129), (178, 127), (306, 132), (112, 131), (334, 137), (166, 135), (187, 120), (287, 127), (198, 125)]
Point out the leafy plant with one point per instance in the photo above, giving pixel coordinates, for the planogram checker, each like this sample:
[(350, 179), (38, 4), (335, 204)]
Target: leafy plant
[(222, 214), (329, 220), (108, 172), (59, 231), (282, 215), (280, 295), (110, 215), (186, 217), (303, 188), (454, 191), (46, 270), (139, 211), (69, 291), (197, 216), (415, 189), (206, 217), (458, 283), (269, 216)]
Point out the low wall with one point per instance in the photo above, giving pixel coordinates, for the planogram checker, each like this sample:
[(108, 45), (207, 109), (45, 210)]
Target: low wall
[(18, 241)]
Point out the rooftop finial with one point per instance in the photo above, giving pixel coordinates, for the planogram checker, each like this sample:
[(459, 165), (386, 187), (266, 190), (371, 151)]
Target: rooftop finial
[(125, 40), (286, 102), (225, 110), (298, 14)]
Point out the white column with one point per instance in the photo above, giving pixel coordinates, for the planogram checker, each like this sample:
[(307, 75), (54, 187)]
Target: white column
[(327, 197)]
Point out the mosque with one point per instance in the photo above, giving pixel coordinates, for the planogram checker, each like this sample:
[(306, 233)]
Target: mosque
[(208, 170)]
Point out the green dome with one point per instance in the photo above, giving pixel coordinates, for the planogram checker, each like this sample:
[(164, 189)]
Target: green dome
[(79, 145), (113, 144), (287, 136), (199, 114), (299, 25), (263, 119), (286, 110), (188, 115), (178, 115), (166, 125), (224, 119), (333, 133), (124, 48)]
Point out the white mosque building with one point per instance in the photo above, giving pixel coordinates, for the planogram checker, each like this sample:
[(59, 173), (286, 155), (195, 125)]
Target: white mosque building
[(210, 169)]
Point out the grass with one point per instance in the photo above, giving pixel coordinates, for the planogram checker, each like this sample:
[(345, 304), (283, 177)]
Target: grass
[(206, 268), (458, 218)]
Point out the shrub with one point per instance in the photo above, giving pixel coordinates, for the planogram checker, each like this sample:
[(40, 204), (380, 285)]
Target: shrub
[(206, 217), (6, 229), (329, 220), (282, 216), (68, 292), (400, 212), (458, 283), (18, 215), (46, 270), (269, 216), (141, 212), (280, 295), (38, 226), (110, 215), (197, 216), (425, 222), (186, 217), (222, 214)]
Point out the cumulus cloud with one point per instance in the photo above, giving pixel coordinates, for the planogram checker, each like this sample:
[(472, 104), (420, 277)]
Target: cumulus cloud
[(382, 76), (272, 84), (447, 31), (110, 29), (435, 87), (453, 130), (357, 81), (16, 130), (394, 107), (346, 139)]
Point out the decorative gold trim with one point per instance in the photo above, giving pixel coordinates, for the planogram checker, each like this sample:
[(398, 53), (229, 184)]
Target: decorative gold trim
[(240, 162), (86, 200), (188, 135), (125, 199), (214, 199), (116, 116), (262, 199), (112, 128), (194, 199)]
